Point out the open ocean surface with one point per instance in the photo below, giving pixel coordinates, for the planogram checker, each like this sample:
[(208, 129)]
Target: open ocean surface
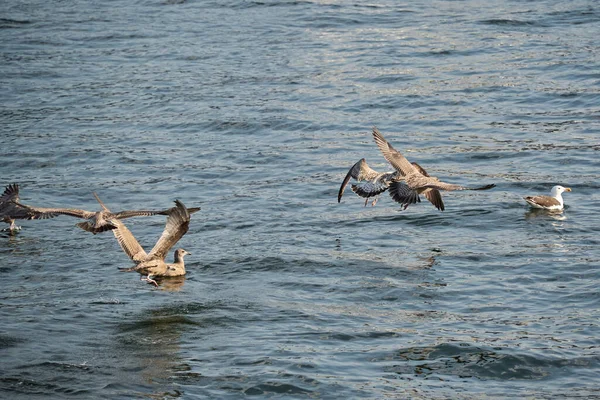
[(255, 111)]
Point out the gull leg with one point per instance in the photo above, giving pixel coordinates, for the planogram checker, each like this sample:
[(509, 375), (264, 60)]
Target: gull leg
[(374, 201), (366, 201), (149, 280)]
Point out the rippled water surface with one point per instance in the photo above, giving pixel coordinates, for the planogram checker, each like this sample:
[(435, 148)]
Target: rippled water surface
[(255, 110)]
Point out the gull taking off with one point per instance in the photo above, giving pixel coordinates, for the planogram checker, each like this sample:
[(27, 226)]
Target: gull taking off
[(153, 264), (10, 209), (416, 180), (97, 221), (554, 202)]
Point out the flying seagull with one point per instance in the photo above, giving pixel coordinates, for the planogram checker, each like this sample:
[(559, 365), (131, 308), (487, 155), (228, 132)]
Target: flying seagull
[(416, 180), (10, 209), (554, 202), (153, 264), (370, 183), (97, 221)]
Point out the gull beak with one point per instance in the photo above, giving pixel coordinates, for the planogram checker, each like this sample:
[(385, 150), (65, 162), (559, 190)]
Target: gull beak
[(567, 189)]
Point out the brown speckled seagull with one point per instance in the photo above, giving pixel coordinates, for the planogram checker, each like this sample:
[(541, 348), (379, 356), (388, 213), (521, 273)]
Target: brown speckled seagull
[(153, 264), (97, 221), (416, 181), (370, 183), (10, 209)]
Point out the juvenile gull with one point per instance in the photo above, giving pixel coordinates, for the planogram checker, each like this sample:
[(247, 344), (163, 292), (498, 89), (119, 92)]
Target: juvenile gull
[(416, 180), (10, 210), (554, 202), (368, 182), (153, 264), (97, 221)]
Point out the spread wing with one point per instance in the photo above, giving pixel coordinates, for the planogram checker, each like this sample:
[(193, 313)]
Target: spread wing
[(48, 212), (392, 155), (449, 186), (360, 172), (137, 213), (368, 189), (11, 193), (11, 208), (401, 193), (177, 225), (542, 201), (420, 169), (435, 197), (127, 241)]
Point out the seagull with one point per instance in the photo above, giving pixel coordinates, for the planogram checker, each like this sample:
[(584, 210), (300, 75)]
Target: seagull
[(554, 202), (370, 183), (153, 264), (10, 209), (97, 221), (416, 181)]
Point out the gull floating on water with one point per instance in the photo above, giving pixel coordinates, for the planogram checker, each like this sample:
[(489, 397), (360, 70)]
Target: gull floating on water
[(153, 264), (416, 181), (10, 209), (97, 221), (554, 202)]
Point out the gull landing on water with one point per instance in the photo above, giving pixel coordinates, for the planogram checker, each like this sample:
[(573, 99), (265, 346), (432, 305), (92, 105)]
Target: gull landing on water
[(153, 264), (415, 180), (554, 202), (11, 210)]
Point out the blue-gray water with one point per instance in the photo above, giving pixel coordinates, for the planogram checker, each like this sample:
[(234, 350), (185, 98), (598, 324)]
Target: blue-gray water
[(255, 111)]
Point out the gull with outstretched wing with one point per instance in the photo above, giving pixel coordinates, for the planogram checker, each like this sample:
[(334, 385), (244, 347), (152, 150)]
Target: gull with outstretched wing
[(416, 181)]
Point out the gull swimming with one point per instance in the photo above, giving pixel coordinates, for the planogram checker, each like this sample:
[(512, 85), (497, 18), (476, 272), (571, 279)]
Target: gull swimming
[(153, 264), (416, 181), (97, 221), (554, 202), (11, 210)]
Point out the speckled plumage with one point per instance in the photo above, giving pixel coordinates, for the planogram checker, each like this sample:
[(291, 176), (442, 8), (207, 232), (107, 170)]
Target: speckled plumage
[(415, 180), (153, 264)]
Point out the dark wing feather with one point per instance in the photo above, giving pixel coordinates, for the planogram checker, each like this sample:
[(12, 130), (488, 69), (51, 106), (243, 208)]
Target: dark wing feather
[(177, 225), (449, 186), (392, 155), (401, 193), (435, 197), (11, 193), (74, 212), (368, 189), (137, 213), (360, 172)]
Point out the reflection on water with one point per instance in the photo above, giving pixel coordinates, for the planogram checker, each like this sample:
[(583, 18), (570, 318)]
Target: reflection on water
[(535, 213)]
